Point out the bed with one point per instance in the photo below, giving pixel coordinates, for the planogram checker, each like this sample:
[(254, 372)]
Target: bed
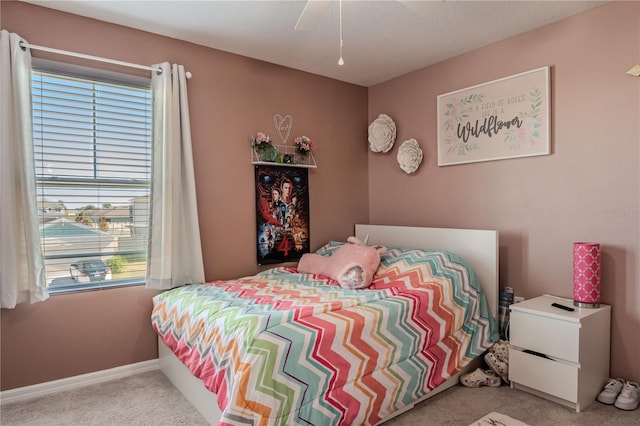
[(288, 348)]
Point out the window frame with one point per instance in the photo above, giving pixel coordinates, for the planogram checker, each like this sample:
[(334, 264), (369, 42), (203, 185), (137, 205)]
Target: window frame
[(108, 77)]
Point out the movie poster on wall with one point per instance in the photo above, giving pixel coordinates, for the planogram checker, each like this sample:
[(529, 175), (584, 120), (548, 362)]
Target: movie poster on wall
[(282, 213), (504, 118)]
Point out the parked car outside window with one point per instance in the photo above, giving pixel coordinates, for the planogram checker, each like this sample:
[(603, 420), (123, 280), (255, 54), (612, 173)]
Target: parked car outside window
[(91, 270)]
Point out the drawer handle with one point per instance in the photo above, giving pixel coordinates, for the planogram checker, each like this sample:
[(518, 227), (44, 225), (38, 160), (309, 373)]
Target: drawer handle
[(539, 354)]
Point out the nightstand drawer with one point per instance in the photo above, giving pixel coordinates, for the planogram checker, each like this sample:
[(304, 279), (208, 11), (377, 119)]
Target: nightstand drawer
[(552, 377), (558, 339)]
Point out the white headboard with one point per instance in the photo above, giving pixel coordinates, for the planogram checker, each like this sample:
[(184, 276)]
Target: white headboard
[(478, 247)]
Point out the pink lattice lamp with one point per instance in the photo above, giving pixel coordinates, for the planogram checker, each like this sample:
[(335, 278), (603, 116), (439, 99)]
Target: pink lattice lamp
[(586, 275)]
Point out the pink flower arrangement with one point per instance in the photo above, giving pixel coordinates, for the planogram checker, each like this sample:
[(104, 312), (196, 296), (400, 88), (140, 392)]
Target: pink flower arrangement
[(261, 140), (304, 144)]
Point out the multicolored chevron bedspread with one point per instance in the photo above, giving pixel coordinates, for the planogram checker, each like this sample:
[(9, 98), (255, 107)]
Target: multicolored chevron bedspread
[(283, 348)]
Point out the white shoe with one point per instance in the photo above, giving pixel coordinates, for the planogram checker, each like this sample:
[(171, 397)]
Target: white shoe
[(501, 350), (499, 367), (480, 377), (611, 391), (629, 398)]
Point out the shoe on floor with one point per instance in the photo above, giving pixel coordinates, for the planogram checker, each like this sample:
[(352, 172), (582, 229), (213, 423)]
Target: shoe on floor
[(501, 350), (480, 377), (500, 367), (629, 397), (611, 391)]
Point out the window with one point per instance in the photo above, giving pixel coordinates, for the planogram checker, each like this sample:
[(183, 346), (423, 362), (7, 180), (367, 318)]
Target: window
[(92, 142)]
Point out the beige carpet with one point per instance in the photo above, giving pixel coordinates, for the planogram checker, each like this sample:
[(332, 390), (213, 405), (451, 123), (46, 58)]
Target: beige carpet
[(143, 399), (462, 406), (149, 399)]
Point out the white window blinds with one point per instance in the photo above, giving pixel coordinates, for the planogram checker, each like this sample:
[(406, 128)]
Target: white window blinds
[(92, 142)]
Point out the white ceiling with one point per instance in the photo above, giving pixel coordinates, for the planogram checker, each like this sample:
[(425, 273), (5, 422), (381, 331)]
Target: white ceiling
[(382, 39)]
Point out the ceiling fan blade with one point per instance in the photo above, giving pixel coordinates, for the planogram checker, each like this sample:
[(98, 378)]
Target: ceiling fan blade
[(311, 14)]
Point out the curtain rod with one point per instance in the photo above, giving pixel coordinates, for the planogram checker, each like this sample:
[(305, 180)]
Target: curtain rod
[(93, 58)]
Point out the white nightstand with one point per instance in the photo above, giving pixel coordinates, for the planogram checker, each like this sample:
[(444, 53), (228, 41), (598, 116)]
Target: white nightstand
[(559, 355)]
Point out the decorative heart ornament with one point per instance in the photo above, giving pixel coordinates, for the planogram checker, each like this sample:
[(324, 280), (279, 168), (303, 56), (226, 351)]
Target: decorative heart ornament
[(283, 126)]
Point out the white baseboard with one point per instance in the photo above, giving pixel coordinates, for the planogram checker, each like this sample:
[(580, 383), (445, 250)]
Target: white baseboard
[(55, 386)]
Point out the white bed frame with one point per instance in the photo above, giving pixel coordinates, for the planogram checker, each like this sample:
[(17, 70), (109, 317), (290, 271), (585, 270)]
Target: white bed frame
[(478, 247)]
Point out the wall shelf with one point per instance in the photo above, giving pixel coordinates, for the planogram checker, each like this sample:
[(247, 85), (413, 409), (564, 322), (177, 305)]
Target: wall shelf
[(286, 157)]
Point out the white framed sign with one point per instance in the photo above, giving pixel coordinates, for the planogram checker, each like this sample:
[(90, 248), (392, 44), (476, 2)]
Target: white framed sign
[(505, 118)]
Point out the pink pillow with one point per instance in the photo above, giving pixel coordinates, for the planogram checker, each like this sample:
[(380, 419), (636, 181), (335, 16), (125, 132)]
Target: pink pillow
[(353, 265)]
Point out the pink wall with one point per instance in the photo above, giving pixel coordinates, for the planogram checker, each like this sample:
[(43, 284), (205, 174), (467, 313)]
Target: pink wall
[(75, 334), (230, 98), (587, 189)]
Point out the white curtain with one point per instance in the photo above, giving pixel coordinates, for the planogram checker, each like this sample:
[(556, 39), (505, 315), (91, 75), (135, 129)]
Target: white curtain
[(21, 263), (175, 253)]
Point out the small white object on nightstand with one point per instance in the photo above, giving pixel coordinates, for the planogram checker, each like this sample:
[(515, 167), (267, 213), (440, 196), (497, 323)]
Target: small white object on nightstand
[(558, 354)]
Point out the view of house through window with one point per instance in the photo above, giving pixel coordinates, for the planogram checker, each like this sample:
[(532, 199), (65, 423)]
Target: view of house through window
[(92, 142)]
